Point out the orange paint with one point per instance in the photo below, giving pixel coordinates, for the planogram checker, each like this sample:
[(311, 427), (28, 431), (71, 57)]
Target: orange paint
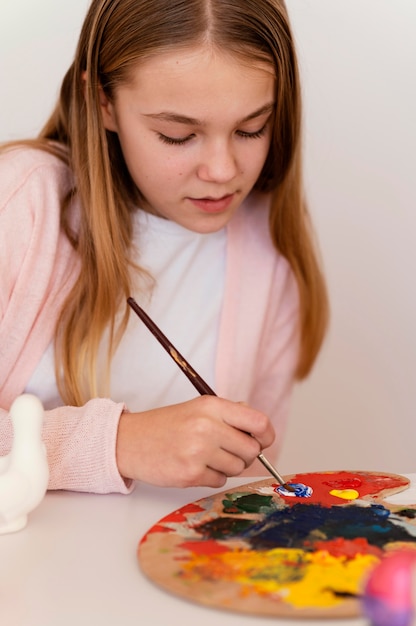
[(348, 548)]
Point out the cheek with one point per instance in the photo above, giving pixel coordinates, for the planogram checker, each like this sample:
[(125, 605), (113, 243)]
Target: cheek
[(255, 153), (157, 178), (254, 162), (177, 166)]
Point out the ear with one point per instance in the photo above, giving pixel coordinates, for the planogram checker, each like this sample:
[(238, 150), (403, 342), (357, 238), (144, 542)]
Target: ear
[(107, 111)]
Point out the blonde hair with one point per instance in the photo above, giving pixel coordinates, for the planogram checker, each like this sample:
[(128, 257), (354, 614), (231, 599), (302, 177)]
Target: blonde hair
[(115, 36)]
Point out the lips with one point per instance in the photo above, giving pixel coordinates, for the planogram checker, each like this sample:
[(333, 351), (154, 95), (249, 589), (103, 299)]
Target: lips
[(213, 205)]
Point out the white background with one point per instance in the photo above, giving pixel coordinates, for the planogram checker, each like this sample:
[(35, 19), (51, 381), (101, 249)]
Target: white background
[(358, 61)]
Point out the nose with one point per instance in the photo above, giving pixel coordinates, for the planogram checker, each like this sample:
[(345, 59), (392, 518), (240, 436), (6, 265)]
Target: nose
[(217, 162)]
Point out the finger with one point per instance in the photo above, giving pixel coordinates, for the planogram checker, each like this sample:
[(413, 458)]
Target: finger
[(209, 477), (229, 464), (240, 445), (249, 420), (220, 436), (213, 478)]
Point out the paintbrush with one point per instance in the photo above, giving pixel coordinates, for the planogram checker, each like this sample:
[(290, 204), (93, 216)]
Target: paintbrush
[(200, 385)]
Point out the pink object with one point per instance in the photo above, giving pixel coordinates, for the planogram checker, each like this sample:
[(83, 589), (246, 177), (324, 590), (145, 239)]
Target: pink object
[(391, 580), (388, 594)]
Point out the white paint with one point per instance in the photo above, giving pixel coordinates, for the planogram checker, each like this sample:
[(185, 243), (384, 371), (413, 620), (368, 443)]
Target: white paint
[(358, 61)]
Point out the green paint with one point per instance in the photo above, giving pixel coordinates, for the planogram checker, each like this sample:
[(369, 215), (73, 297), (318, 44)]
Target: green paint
[(223, 527), (248, 503), (410, 513)]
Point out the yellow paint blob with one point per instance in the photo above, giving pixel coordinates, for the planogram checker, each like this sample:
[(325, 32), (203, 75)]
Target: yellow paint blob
[(325, 573), (300, 579), (345, 494)]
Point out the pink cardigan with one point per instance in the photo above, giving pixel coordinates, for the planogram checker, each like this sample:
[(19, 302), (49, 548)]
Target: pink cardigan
[(258, 342)]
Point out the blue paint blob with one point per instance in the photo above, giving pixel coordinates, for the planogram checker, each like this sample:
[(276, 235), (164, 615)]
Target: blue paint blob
[(380, 510), (290, 528), (301, 490), (299, 525)]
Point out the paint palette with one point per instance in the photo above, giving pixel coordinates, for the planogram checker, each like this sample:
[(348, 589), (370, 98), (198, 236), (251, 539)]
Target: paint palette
[(252, 550)]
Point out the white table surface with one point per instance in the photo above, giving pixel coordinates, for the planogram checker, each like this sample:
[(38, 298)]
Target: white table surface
[(75, 564)]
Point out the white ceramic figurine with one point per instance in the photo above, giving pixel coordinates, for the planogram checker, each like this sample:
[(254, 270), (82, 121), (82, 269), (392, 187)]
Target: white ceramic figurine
[(24, 472)]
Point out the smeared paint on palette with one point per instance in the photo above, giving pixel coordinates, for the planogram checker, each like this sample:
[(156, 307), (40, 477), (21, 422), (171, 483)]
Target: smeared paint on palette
[(255, 550)]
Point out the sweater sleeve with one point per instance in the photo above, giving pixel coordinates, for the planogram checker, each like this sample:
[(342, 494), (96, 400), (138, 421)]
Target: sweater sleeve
[(38, 267), (80, 444)]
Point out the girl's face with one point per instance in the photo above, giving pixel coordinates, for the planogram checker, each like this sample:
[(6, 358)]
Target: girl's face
[(195, 129)]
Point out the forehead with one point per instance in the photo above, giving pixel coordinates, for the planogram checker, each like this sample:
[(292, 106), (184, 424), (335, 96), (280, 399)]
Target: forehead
[(202, 78)]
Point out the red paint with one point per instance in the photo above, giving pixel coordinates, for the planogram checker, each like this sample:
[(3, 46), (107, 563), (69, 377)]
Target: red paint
[(160, 529), (204, 547), (345, 483), (323, 482), (179, 515), (348, 548)]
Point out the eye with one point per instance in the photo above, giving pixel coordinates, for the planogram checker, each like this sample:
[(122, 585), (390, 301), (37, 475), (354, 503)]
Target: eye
[(173, 141), (255, 135)]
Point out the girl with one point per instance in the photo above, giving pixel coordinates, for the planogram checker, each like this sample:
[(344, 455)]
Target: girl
[(170, 171)]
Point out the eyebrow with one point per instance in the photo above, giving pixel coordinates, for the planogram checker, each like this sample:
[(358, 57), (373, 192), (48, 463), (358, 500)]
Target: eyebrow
[(170, 116)]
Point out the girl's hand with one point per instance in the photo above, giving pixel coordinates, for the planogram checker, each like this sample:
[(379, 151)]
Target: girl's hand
[(196, 443)]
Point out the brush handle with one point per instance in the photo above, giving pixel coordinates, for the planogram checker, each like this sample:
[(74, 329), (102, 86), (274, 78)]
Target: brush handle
[(198, 382), (200, 385)]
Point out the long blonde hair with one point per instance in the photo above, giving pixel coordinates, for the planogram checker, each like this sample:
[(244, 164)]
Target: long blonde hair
[(115, 36)]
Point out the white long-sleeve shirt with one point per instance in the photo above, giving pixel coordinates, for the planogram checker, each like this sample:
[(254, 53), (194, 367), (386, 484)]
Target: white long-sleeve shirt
[(184, 297)]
